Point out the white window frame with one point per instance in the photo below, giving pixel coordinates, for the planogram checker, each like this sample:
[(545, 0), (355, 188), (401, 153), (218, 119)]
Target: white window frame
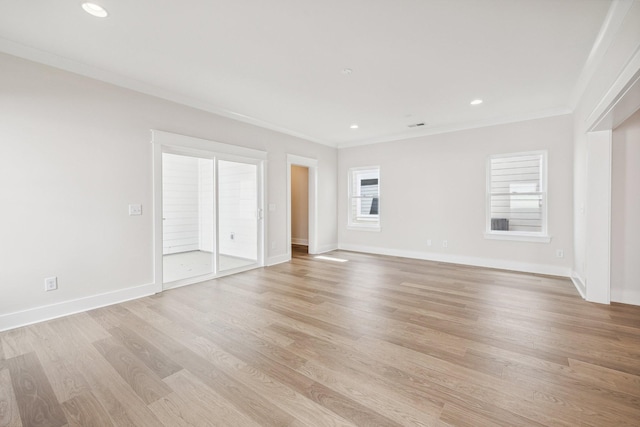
[(523, 236), (373, 222)]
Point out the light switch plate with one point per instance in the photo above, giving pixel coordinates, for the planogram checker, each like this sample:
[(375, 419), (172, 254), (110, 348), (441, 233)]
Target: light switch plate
[(135, 210)]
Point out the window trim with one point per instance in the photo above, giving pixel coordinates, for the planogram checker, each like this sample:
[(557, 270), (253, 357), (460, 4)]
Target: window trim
[(519, 236), (368, 225)]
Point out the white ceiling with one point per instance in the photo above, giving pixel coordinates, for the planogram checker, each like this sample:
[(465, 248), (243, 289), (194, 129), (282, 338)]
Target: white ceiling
[(279, 63)]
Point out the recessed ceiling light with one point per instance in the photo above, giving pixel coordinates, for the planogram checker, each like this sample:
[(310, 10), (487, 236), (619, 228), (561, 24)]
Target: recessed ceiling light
[(354, 126), (347, 71), (476, 102), (95, 10)]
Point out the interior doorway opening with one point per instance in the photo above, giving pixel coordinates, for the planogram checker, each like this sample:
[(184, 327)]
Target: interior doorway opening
[(302, 206), (299, 208)]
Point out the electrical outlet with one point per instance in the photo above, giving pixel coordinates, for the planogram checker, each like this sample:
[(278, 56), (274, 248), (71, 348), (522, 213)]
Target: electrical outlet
[(559, 253), (445, 244), (429, 242), (50, 284), (274, 245), (232, 236)]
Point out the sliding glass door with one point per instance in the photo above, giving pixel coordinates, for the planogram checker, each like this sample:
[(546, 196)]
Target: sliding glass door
[(211, 216)]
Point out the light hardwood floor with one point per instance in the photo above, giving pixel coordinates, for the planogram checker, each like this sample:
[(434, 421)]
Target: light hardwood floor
[(375, 341)]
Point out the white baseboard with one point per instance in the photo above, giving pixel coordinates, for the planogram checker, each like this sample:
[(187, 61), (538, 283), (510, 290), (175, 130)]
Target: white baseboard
[(625, 296), (502, 264), (53, 311), (325, 248), (296, 241), (578, 282), (278, 259)]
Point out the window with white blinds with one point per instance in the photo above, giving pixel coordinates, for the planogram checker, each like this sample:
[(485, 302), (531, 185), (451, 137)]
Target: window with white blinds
[(364, 197), (517, 194)]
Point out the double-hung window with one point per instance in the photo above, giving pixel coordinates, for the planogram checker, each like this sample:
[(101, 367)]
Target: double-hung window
[(364, 198), (517, 197)]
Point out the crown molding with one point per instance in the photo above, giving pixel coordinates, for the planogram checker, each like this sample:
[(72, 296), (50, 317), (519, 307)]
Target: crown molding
[(608, 32), (456, 127), (56, 61)]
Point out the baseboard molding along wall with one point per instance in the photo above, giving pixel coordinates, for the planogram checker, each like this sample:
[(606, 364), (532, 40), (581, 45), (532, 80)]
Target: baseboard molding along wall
[(578, 282), (524, 267), (626, 296), (66, 308), (326, 248), (296, 241), (278, 259)]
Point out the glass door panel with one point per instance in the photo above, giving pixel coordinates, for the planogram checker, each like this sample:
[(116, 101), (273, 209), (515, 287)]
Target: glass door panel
[(187, 217), (237, 215)]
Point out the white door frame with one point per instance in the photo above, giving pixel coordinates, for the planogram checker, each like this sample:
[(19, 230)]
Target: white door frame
[(620, 102), (312, 165), (187, 145)]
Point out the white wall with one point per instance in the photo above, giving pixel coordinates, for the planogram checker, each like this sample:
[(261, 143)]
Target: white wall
[(598, 217), (625, 212), (433, 188), (74, 152), (299, 205), (616, 53)]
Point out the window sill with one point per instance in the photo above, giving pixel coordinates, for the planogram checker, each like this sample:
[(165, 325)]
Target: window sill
[(518, 237)]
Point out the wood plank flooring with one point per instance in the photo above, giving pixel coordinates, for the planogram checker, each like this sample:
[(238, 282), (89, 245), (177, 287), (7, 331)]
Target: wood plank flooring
[(375, 341)]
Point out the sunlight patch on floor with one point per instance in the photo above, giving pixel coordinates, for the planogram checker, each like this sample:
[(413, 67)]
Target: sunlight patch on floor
[(328, 258)]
